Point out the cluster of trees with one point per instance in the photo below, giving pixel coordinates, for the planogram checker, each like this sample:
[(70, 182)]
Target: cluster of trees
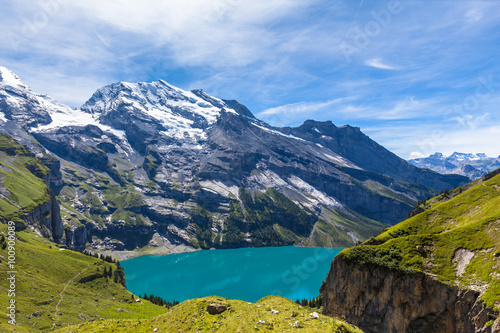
[(100, 256), (316, 302), (118, 275), (159, 301)]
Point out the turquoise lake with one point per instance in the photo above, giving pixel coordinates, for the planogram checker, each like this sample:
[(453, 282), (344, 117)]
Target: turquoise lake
[(247, 274)]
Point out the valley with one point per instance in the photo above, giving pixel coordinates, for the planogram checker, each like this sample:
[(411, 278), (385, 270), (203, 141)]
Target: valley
[(151, 169)]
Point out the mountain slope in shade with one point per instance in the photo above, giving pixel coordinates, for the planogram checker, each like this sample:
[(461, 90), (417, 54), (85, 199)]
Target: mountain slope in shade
[(153, 167), (471, 165)]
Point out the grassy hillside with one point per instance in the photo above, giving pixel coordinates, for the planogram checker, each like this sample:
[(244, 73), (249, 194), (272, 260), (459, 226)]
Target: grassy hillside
[(456, 237), (191, 316), (21, 180), (48, 292)]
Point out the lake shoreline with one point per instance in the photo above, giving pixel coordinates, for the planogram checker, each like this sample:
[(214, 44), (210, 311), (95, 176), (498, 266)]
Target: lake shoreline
[(249, 274), (127, 255)]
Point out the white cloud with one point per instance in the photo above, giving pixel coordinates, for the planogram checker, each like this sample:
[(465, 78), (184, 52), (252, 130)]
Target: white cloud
[(274, 52), (416, 154), (285, 115), (408, 108), (377, 63), (473, 15), (198, 32), (302, 107)]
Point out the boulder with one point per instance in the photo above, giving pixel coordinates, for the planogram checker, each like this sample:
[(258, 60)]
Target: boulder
[(214, 309)]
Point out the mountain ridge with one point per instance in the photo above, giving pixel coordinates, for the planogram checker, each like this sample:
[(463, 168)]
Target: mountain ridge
[(471, 165), (192, 170)]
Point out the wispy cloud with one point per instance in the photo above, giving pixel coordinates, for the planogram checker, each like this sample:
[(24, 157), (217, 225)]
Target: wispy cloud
[(303, 107), (417, 69), (377, 63)]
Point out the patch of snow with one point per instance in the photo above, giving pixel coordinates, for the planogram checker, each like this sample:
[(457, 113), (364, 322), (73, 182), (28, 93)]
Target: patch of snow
[(219, 187), (267, 179), (314, 128), (277, 133), (354, 238), (304, 187), (335, 158), (2, 117), (174, 108), (63, 115)]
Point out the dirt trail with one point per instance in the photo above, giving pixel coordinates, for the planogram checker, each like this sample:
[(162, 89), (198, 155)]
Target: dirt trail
[(61, 295)]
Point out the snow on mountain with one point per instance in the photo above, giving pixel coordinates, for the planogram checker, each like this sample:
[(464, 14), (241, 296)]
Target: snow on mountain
[(203, 172), (49, 114), (465, 164), (180, 114), (7, 77), (461, 157)]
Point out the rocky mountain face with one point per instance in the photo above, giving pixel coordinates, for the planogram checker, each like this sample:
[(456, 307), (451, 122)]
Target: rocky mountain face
[(150, 166), (437, 271), (381, 300), (473, 166)]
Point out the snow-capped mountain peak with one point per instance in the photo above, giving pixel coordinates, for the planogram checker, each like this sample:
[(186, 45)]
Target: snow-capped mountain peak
[(467, 156), (467, 164), (156, 99), (9, 78), (172, 111)]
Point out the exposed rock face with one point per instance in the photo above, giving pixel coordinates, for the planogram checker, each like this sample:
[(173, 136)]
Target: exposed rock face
[(380, 300), (214, 309)]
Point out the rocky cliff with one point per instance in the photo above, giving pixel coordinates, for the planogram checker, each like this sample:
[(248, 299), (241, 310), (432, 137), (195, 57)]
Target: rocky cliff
[(387, 301), (438, 271)]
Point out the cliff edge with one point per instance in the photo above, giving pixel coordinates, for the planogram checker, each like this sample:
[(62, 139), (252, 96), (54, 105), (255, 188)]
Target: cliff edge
[(438, 271)]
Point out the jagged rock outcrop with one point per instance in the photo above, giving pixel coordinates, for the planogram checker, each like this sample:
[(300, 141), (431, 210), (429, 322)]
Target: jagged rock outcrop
[(379, 300), (46, 219)]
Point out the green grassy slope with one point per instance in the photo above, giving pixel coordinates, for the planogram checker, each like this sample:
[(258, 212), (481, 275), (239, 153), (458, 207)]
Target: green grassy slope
[(463, 221), (21, 180), (191, 316), (48, 277)]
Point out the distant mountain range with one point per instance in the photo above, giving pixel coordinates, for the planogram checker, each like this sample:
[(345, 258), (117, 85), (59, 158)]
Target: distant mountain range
[(154, 168), (470, 165)]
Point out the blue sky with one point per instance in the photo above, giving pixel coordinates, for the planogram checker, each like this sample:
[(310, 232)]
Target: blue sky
[(416, 76)]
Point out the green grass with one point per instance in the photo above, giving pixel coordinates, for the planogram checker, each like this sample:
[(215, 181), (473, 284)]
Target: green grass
[(465, 218), (191, 316), (43, 271), (21, 187)]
